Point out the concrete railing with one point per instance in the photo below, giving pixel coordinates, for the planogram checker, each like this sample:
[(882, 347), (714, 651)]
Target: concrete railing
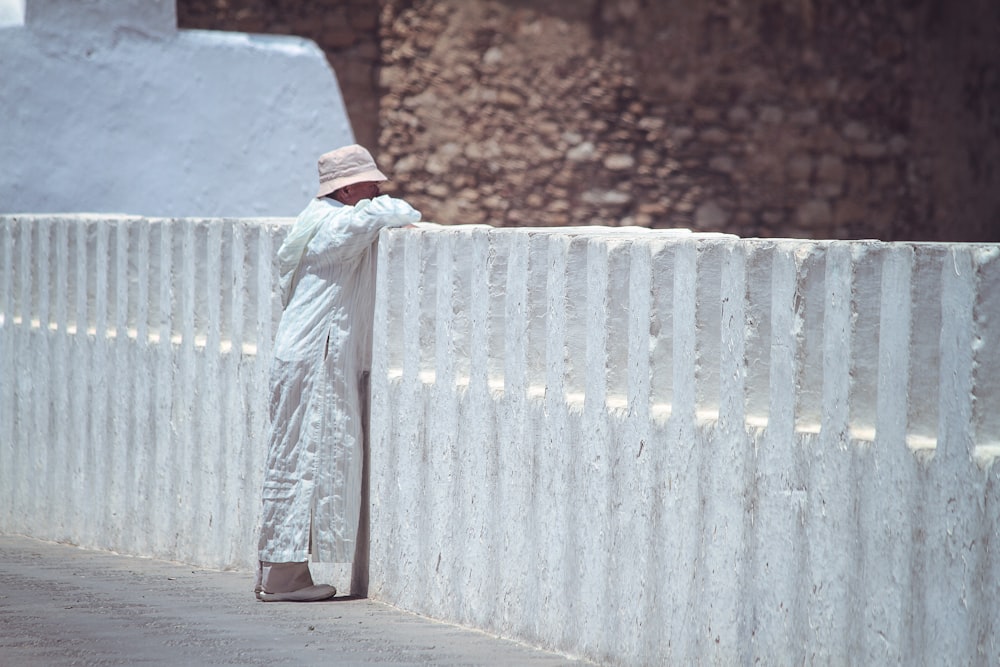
[(134, 356), (647, 448), (637, 446)]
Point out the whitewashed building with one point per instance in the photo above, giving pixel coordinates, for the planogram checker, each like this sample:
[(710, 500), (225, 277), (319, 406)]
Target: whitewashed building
[(108, 108)]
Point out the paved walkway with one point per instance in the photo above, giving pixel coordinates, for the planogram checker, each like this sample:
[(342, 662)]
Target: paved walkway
[(60, 605)]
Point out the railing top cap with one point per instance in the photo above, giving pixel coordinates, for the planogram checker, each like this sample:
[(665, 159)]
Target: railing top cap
[(579, 230)]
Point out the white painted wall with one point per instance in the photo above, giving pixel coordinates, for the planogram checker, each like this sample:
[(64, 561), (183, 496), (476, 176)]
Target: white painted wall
[(11, 12), (654, 450), (107, 107), (134, 359), (643, 447)]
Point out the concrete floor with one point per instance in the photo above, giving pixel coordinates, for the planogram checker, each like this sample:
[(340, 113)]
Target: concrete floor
[(61, 605)]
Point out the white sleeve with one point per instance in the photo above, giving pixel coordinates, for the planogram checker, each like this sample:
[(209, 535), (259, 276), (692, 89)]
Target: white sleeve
[(353, 228)]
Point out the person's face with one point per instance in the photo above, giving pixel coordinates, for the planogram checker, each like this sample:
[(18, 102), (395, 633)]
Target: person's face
[(352, 194)]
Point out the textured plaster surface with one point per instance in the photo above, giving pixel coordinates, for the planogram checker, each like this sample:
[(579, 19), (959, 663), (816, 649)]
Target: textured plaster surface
[(109, 108), (135, 370), (636, 446), (690, 450), (11, 12)]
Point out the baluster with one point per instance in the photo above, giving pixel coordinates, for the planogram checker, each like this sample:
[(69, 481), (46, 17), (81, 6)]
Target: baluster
[(165, 451), (40, 491), (96, 472), (64, 439), (562, 583), (144, 371)]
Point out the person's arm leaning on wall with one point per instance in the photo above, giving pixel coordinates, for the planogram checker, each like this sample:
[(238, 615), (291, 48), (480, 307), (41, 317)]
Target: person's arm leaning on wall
[(358, 227)]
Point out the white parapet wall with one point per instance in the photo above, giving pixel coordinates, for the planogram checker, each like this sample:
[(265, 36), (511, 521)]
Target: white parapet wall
[(642, 447), (655, 448), (134, 356)]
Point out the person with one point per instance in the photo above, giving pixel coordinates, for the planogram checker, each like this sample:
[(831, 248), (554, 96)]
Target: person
[(313, 478)]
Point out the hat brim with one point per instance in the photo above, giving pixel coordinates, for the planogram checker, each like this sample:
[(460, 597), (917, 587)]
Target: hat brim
[(366, 176)]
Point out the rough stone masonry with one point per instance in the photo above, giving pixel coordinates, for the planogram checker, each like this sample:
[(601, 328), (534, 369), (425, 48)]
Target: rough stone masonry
[(814, 119)]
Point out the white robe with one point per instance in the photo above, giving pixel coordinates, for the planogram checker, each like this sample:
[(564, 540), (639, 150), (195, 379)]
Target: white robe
[(312, 482)]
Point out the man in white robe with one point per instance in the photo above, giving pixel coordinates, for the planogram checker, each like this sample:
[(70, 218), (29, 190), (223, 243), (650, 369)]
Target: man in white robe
[(322, 353)]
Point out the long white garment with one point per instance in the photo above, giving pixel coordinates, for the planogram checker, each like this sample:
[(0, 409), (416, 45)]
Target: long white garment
[(312, 482)]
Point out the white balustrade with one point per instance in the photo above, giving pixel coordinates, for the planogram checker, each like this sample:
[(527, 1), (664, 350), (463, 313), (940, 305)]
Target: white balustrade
[(639, 446), (133, 372), (651, 447)]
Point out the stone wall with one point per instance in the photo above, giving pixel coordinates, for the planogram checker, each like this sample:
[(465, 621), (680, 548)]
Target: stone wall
[(758, 117)]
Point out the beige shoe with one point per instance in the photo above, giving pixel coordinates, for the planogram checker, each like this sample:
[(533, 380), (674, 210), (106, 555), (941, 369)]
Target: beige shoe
[(313, 593)]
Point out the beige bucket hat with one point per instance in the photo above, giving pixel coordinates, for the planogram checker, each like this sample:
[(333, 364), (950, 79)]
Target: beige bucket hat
[(346, 166)]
